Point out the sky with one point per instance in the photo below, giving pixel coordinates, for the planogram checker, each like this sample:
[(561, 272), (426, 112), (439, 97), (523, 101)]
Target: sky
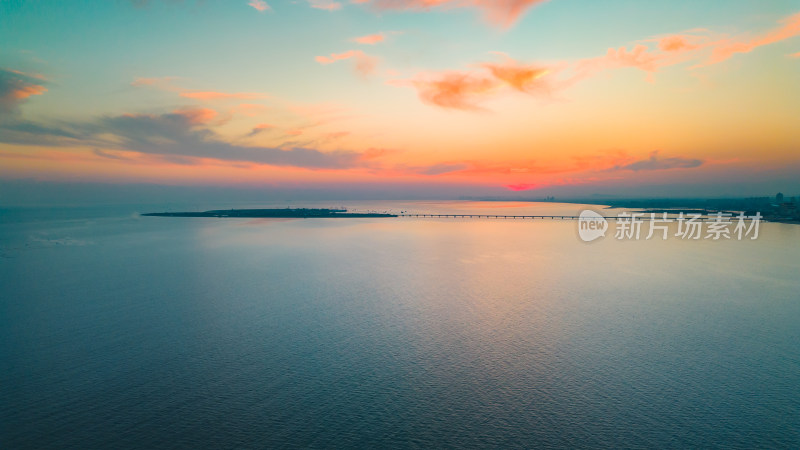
[(419, 97)]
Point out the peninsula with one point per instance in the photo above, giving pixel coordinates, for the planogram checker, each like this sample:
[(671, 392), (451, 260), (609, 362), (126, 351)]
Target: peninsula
[(285, 213)]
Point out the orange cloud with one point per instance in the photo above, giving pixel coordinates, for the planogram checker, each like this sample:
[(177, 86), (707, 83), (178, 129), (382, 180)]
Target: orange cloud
[(675, 43), (465, 90), (521, 77), (459, 90), (371, 39), (259, 5), (197, 116), (455, 90), (16, 86), (365, 64), (23, 92), (498, 12)]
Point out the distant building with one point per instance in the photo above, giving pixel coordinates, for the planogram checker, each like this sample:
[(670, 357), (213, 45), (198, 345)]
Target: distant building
[(779, 198)]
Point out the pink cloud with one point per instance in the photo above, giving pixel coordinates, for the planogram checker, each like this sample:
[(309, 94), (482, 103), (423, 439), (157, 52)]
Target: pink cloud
[(371, 39), (259, 5), (724, 50), (522, 187), (639, 57)]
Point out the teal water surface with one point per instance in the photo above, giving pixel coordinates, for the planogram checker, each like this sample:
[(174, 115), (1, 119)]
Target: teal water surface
[(120, 331)]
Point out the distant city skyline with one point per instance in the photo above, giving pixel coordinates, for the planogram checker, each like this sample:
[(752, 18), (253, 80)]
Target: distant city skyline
[(407, 98)]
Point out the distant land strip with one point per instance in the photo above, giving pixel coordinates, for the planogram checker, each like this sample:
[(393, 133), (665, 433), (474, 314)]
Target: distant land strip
[(284, 213), (309, 213)]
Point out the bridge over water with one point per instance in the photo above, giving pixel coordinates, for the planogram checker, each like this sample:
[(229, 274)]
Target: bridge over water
[(557, 217)]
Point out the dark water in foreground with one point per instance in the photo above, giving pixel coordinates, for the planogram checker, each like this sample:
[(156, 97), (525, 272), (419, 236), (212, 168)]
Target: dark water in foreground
[(118, 331)]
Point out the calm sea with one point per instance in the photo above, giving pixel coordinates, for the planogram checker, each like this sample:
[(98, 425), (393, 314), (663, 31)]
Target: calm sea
[(120, 331)]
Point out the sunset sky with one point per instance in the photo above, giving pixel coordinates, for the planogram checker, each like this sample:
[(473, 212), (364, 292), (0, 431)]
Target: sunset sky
[(505, 97)]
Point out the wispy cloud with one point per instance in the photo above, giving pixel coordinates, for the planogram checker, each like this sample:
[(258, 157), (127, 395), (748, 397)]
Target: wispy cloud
[(180, 135), (110, 155), (654, 162), (503, 13), (364, 63), (249, 109), (439, 169), (466, 90), (161, 82), (260, 128), (16, 87), (725, 49), (522, 77), (370, 39), (454, 89), (168, 84), (259, 5), (523, 187), (328, 5), (212, 95), (676, 43)]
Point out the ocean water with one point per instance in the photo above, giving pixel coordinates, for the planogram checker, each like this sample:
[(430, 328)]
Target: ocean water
[(120, 331)]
